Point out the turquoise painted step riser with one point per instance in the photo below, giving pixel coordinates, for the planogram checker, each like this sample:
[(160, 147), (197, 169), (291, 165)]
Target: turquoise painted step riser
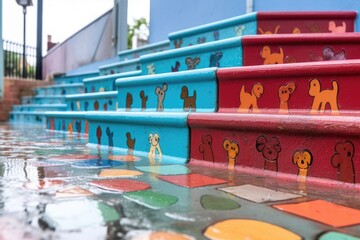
[(136, 53), (40, 100), (70, 125), (94, 104), (225, 53), (27, 118), (245, 25), (173, 134), (106, 83), (182, 91), (75, 79), (59, 91), (121, 67), (39, 108)]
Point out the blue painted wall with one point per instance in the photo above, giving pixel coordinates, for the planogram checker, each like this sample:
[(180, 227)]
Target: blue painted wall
[(167, 16), (1, 56)]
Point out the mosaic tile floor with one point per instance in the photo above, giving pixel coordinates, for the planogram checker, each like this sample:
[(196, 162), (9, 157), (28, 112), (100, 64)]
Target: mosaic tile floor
[(53, 186)]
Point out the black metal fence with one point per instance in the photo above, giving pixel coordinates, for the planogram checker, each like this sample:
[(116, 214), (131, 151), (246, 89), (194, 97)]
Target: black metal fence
[(13, 60)]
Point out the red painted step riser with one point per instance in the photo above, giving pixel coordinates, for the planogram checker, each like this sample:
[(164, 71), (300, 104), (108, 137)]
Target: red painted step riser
[(340, 78), (283, 22), (300, 48), (322, 149)]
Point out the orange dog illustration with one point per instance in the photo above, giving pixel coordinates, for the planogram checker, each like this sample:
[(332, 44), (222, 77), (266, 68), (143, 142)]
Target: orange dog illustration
[(296, 31), (232, 150), (70, 128), (337, 29), (303, 159), (269, 32), (284, 96), (270, 57), (248, 100), (321, 98)]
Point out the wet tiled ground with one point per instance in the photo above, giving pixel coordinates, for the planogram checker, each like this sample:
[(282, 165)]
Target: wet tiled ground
[(55, 186)]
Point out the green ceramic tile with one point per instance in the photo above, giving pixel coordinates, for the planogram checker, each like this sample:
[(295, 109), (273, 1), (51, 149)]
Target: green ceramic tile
[(211, 202), (151, 199), (336, 236)]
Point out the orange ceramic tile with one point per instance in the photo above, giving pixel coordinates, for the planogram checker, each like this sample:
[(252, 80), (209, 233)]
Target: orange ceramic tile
[(43, 184), (73, 192), (324, 212), (123, 158), (192, 180), (165, 235), (244, 229), (121, 185), (112, 173)]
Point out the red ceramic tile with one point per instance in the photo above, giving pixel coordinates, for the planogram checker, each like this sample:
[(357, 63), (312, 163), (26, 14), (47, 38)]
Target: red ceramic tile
[(121, 185), (192, 180), (324, 212)]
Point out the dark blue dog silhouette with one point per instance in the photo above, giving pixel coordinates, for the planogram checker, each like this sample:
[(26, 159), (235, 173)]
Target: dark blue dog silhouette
[(110, 136)]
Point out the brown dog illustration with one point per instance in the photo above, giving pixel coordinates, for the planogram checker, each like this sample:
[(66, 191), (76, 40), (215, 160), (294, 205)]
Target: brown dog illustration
[(130, 143), (337, 29), (303, 159), (178, 43), (191, 63), (143, 100), (129, 101), (249, 100), (284, 96), (206, 148), (269, 32), (321, 98), (189, 102), (160, 92), (343, 161), (270, 57), (154, 140), (232, 150), (270, 151)]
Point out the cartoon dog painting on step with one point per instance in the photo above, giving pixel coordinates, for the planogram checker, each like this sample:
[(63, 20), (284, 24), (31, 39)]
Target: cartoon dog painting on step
[(154, 140)]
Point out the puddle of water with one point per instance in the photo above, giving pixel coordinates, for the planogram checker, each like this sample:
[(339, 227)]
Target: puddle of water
[(55, 186)]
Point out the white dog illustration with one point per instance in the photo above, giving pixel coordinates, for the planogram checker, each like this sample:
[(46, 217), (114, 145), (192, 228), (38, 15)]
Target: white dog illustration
[(154, 141)]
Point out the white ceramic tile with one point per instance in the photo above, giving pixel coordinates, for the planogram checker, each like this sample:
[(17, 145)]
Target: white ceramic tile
[(258, 194)]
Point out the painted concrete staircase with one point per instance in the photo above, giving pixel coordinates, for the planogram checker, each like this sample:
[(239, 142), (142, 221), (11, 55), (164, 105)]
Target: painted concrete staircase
[(259, 117)]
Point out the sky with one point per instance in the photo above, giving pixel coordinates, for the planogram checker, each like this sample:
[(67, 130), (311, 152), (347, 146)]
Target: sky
[(61, 18)]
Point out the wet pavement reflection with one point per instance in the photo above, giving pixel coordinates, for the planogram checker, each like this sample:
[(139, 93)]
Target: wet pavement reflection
[(55, 186)]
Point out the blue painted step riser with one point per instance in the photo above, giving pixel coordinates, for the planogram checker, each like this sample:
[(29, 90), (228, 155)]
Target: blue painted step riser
[(106, 83), (59, 90), (75, 78), (69, 125), (43, 100), (26, 108), (147, 49), (225, 53), (183, 91), (27, 118), (120, 67), (106, 101), (239, 26), (140, 134)]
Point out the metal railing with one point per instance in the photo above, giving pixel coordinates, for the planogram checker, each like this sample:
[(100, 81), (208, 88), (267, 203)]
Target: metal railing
[(13, 60)]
